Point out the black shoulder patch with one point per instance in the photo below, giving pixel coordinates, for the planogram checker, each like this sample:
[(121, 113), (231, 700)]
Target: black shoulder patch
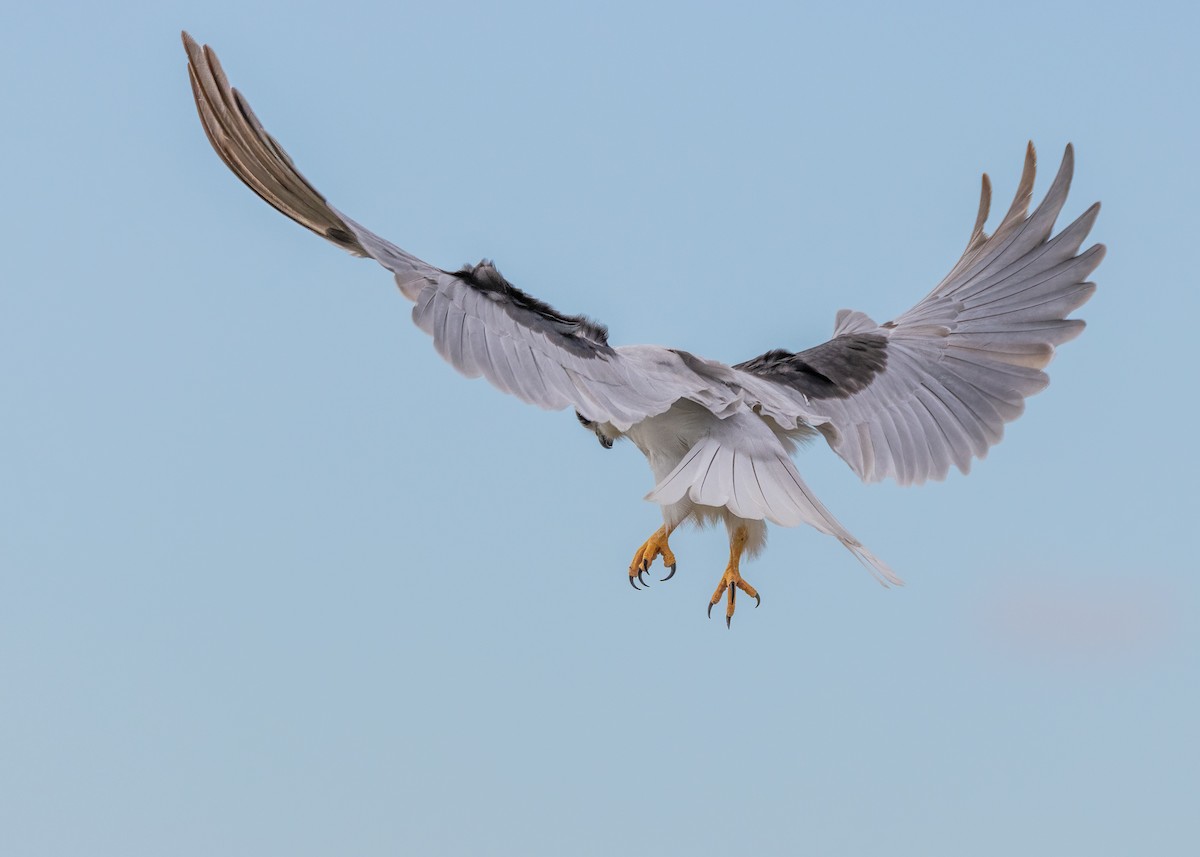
[(579, 333), (835, 369), (345, 240)]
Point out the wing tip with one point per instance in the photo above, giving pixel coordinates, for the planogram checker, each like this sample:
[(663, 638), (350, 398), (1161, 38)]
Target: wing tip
[(978, 236)]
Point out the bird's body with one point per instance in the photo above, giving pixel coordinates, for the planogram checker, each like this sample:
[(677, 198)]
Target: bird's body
[(906, 399), (667, 439)]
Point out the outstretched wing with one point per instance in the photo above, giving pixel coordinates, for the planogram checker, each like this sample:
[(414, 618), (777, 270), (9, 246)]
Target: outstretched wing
[(480, 323), (910, 397)]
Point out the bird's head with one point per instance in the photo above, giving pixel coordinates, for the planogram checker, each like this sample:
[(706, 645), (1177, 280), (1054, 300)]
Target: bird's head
[(606, 433)]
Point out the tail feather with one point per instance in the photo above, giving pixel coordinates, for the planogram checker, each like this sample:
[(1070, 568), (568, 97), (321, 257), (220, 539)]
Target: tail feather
[(740, 466)]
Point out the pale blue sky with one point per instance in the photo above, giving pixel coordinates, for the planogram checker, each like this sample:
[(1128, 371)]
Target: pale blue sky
[(275, 580)]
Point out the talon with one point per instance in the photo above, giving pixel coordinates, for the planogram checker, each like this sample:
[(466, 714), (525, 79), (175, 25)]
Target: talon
[(731, 581), (643, 559), (634, 585)]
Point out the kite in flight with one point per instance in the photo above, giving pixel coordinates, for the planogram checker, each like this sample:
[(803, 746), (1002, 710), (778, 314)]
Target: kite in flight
[(907, 398)]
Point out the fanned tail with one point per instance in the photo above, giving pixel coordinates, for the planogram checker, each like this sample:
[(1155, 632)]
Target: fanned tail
[(741, 466)]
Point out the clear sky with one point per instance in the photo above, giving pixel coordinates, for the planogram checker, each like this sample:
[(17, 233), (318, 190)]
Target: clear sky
[(275, 580)]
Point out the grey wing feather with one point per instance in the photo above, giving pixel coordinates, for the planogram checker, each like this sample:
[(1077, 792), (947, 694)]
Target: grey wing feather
[(480, 323), (934, 388)]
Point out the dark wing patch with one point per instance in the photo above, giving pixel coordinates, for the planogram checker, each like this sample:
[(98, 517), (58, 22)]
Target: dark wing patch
[(582, 336), (835, 369)]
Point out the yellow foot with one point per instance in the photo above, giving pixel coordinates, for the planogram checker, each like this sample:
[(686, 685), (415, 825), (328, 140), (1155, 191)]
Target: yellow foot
[(731, 580), (730, 583), (644, 557)]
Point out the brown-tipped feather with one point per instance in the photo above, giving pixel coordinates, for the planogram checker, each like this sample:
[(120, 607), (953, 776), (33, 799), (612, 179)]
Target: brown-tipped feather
[(253, 155), (1020, 203), (978, 236)]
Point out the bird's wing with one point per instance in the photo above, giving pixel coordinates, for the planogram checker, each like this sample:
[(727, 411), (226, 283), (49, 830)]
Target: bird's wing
[(910, 397), (480, 323)]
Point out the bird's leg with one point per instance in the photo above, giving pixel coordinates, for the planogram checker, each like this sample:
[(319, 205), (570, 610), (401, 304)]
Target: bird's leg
[(644, 557), (731, 580)]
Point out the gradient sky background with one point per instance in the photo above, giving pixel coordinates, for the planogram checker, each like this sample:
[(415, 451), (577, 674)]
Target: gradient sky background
[(275, 580)]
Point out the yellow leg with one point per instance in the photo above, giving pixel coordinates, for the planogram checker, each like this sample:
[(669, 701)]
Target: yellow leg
[(731, 580), (644, 557)]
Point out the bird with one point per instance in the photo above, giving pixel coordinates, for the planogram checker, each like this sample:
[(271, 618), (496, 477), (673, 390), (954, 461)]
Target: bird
[(906, 399)]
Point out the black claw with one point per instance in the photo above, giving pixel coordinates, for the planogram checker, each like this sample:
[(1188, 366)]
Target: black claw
[(672, 574), (710, 607), (634, 585), (642, 579), (728, 619), (757, 601)]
